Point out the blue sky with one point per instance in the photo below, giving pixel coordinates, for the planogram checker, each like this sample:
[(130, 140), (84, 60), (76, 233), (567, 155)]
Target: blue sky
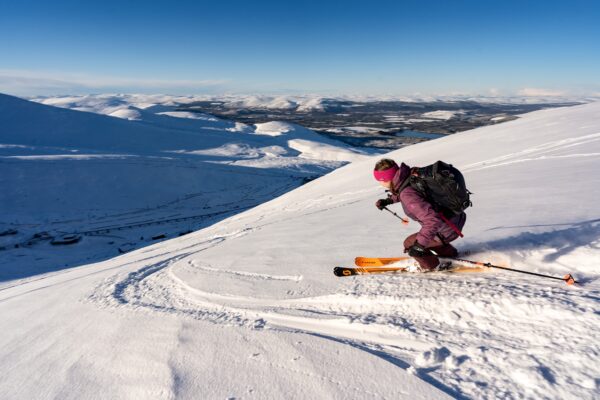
[(328, 47)]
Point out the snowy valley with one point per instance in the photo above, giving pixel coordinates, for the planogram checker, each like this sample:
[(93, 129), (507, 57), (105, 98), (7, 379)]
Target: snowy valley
[(120, 175)]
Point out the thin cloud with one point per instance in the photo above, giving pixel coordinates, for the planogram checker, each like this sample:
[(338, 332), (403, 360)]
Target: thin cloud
[(538, 92), (16, 81)]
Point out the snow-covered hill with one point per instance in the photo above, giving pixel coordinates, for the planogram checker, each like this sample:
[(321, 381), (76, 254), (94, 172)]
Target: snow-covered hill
[(118, 169), (249, 308), (124, 105)]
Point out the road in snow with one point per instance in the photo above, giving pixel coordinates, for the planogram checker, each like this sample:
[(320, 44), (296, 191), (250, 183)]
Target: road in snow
[(249, 308)]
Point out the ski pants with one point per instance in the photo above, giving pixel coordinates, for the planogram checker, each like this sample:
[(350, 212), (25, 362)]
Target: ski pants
[(430, 262)]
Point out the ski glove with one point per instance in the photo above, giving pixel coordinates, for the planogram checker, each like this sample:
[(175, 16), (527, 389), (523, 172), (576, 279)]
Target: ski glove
[(383, 203), (416, 250)]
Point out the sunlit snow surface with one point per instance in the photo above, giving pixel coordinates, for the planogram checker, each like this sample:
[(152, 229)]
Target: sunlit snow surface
[(249, 308)]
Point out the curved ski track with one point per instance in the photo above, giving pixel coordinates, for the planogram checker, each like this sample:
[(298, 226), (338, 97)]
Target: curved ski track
[(455, 343)]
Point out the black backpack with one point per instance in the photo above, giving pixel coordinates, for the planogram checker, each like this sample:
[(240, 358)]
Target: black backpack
[(442, 185)]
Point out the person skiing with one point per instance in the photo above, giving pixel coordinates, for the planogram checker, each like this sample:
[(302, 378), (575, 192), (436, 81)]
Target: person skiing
[(437, 231)]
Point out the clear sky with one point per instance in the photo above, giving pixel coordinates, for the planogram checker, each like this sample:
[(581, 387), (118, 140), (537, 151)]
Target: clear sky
[(328, 47)]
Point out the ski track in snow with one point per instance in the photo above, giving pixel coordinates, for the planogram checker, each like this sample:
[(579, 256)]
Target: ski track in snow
[(529, 329), (534, 325), (294, 278), (541, 152)]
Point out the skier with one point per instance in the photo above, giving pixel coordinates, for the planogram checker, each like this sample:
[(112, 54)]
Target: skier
[(437, 231)]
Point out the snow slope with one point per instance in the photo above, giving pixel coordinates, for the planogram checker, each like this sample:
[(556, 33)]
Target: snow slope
[(63, 171), (248, 307)]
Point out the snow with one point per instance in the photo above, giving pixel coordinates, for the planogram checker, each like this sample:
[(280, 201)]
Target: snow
[(190, 115), (65, 171), (310, 144), (248, 307), (314, 104), (299, 103), (355, 129), (273, 128), (240, 151), (409, 120), (312, 150), (70, 156), (126, 113), (441, 114), (262, 102), (394, 118)]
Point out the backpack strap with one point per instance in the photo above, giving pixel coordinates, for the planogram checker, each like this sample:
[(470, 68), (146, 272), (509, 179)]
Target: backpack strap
[(413, 172), (451, 225)]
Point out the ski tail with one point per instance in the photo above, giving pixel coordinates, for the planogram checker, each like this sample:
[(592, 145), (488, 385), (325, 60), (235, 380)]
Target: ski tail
[(377, 261)]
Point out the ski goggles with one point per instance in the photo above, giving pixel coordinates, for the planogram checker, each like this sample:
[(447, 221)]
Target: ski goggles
[(386, 175)]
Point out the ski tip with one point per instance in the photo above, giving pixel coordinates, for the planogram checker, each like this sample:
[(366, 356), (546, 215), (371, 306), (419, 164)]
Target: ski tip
[(569, 280)]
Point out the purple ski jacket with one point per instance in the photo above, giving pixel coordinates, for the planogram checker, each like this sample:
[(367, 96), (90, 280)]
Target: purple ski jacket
[(417, 208)]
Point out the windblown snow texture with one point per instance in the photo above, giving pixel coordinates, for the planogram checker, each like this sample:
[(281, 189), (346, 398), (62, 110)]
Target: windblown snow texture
[(248, 307)]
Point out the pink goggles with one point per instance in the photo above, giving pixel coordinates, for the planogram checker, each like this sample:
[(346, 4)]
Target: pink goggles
[(387, 174)]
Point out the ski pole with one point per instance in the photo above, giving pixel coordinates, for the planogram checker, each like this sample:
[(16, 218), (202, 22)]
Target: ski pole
[(569, 280), (404, 220)]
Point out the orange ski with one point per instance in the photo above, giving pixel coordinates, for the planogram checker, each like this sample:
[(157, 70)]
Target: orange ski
[(377, 261)]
